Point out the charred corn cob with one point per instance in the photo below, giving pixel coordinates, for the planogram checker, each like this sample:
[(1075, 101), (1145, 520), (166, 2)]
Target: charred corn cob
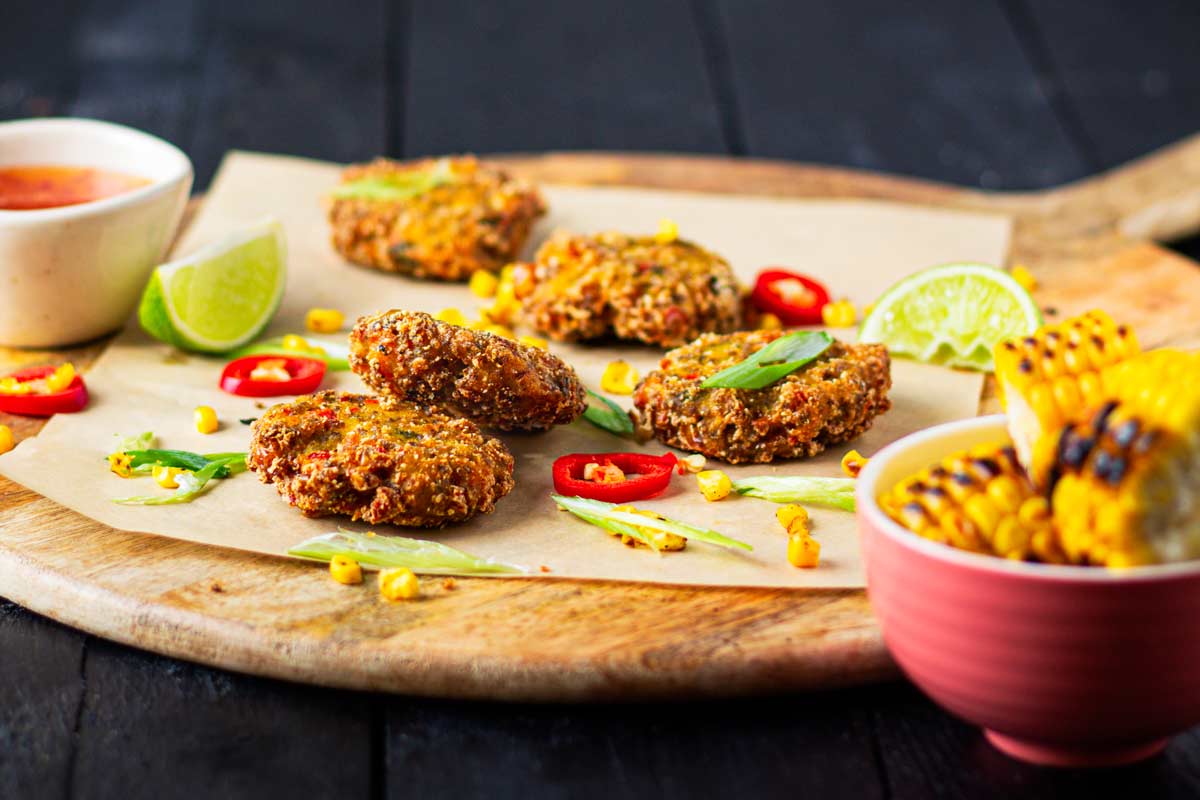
[(978, 500), (1126, 478), (1052, 377)]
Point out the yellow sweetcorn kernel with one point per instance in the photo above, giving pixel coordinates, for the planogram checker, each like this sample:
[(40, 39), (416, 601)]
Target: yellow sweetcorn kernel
[(1024, 277), (534, 341), (803, 550), (714, 484), (344, 569), (483, 284), (839, 314), (166, 476), (853, 463), (693, 463), (294, 342), (61, 378), (506, 307), (619, 378), (399, 583), (121, 464), (11, 385), (668, 231), (769, 322), (452, 316), (794, 518), (6, 439), (324, 320), (206, 419)]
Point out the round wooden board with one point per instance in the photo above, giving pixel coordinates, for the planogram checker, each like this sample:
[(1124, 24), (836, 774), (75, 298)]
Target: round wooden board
[(560, 640)]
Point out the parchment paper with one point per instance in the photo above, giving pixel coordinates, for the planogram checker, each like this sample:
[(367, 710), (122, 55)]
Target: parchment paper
[(857, 248)]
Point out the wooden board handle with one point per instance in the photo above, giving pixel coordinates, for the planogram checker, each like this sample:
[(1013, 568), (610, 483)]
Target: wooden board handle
[(1155, 197)]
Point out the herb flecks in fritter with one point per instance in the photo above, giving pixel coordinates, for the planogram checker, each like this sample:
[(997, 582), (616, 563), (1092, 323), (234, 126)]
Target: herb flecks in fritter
[(378, 461)]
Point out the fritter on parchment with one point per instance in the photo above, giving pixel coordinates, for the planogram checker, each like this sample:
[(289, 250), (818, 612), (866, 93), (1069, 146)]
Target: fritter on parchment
[(832, 400), (378, 461), (435, 218), (491, 380)]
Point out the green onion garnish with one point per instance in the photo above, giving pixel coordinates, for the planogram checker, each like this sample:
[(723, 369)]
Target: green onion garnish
[(836, 492), (419, 555), (605, 515), (336, 355), (191, 484), (777, 360), (393, 187), (604, 413)]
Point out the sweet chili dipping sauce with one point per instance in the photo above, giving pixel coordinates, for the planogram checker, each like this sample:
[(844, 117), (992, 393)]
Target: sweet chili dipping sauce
[(29, 187)]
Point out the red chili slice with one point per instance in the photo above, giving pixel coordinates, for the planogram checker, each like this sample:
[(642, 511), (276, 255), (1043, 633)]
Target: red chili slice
[(796, 299), (44, 404), (647, 476), (305, 375)]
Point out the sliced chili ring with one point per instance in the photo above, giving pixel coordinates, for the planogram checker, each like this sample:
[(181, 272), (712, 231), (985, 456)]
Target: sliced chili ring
[(800, 306), (304, 376), (44, 404), (650, 476)]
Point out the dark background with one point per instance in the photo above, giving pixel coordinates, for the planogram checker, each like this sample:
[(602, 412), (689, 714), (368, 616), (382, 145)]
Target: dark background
[(998, 94)]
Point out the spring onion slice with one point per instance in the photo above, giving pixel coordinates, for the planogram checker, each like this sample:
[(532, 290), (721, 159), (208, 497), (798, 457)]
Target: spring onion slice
[(606, 414), (619, 528), (143, 441), (191, 484), (336, 355), (419, 555), (607, 512), (393, 187), (774, 362), (836, 492)]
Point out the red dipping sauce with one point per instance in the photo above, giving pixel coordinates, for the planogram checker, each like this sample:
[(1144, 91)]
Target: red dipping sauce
[(31, 187)]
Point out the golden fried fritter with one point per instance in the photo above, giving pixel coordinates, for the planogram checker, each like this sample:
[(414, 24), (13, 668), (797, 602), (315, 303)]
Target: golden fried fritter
[(378, 461), (435, 218), (832, 400), (637, 288), (494, 381)]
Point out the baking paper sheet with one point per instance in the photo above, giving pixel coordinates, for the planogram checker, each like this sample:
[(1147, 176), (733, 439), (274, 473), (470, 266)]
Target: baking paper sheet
[(857, 248)]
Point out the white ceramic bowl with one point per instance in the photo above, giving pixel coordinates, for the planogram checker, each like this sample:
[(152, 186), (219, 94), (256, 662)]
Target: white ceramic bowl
[(74, 273)]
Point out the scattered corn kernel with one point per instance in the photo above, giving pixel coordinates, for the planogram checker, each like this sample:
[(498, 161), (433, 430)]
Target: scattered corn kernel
[(453, 316), (1024, 277), (839, 314), (693, 463), (6, 439), (295, 342), (853, 463), (506, 307), (794, 518), (399, 583), (271, 369), (714, 484), (803, 551), (769, 322), (483, 284), (61, 378), (345, 570), (603, 473), (324, 320), (619, 378), (11, 385), (534, 341), (166, 476), (662, 539), (206, 419), (121, 464), (668, 231)]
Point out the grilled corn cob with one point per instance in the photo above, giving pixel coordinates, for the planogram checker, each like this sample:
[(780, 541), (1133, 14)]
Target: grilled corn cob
[(1126, 478), (978, 500), (1052, 377)]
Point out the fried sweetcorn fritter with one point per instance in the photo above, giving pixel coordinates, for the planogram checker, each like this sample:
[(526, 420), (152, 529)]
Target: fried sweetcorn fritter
[(443, 219), (493, 381), (832, 400), (638, 288), (378, 461)]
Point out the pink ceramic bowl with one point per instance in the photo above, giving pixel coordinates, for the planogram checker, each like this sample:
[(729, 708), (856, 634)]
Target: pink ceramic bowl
[(1069, 666)]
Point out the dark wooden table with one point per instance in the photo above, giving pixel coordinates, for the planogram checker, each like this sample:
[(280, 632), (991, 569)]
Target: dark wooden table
[(1002, 94)]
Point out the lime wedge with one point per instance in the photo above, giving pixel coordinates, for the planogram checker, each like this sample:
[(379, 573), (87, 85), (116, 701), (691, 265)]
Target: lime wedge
[(221, 296), (952, 315)]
